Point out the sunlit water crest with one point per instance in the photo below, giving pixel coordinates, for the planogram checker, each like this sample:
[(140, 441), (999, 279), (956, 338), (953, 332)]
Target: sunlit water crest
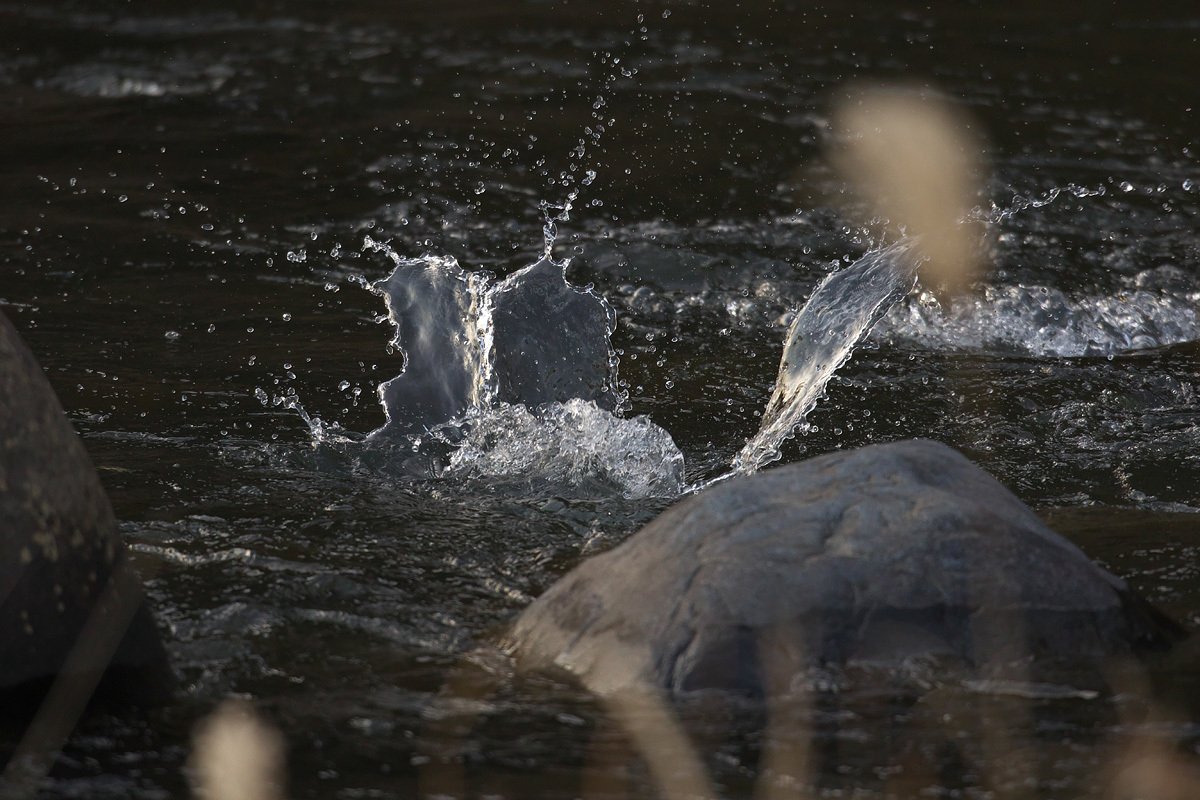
[(839, 313), (566, 447), (1158, 307)]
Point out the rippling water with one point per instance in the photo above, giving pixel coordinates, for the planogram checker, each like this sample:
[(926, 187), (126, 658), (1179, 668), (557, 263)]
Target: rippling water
[(188, 195)]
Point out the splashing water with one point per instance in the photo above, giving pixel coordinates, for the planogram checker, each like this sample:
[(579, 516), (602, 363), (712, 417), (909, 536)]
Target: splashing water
[(575, 445), (518, 377), (515, 383), (443, 329), (1020, 203), (1158, 307), (530, 339), (840, 312)]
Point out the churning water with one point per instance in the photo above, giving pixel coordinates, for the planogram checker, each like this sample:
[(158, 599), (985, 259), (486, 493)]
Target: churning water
[(515, 383), (197, 198)]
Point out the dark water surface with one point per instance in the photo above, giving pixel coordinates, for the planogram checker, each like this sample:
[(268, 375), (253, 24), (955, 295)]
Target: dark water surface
[(184, 195)]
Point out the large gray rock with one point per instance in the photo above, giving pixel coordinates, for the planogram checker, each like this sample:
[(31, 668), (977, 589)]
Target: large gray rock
[(58, 545), (869, 556)]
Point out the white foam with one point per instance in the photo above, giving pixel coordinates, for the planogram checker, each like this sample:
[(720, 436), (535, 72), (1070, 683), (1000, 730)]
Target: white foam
[(569, 445), (1158, 308)]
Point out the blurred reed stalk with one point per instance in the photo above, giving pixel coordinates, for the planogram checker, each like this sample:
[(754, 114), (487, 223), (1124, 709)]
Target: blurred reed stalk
[(237, 756), (72, 689), (1147, 766), (674, 763), (786, 769), (916, 160)]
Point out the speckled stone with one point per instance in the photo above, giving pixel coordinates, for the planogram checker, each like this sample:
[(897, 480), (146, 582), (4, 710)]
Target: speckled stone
[(58, 536), (871, 556)]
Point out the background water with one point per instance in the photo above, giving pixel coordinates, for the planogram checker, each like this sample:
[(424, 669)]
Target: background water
[(186, 192)]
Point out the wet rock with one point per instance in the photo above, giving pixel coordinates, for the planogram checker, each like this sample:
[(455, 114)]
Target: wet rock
[(58, 548), (873, 557)]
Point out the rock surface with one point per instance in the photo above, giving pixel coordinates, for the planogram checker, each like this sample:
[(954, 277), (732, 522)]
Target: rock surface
[(869, 556), (58, 542)]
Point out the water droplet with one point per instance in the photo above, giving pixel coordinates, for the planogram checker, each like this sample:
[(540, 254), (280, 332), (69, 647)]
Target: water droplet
[(171, 336), (287, 317), (211, 328), (343, 386)]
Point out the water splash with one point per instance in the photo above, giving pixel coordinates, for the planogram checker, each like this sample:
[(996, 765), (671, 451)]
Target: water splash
[(516, 382), (513, 381), (574, 446), (840, 312), (1158, 307), (444, 331), (468, 343), (1020, 202)]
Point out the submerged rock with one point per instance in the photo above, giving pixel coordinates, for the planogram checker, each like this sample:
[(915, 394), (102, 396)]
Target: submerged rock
[(871, 557), (59, 547)]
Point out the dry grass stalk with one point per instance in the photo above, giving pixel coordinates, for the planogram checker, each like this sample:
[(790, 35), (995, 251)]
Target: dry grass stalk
[(674, 763), (915, 159), (1147, 767), (237, 756), (77, 680), (786, 770), (443, 773)]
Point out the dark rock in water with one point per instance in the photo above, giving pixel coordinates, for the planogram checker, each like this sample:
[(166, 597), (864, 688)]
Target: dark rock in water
[(871, 557), (58, 547), (551, 339)]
